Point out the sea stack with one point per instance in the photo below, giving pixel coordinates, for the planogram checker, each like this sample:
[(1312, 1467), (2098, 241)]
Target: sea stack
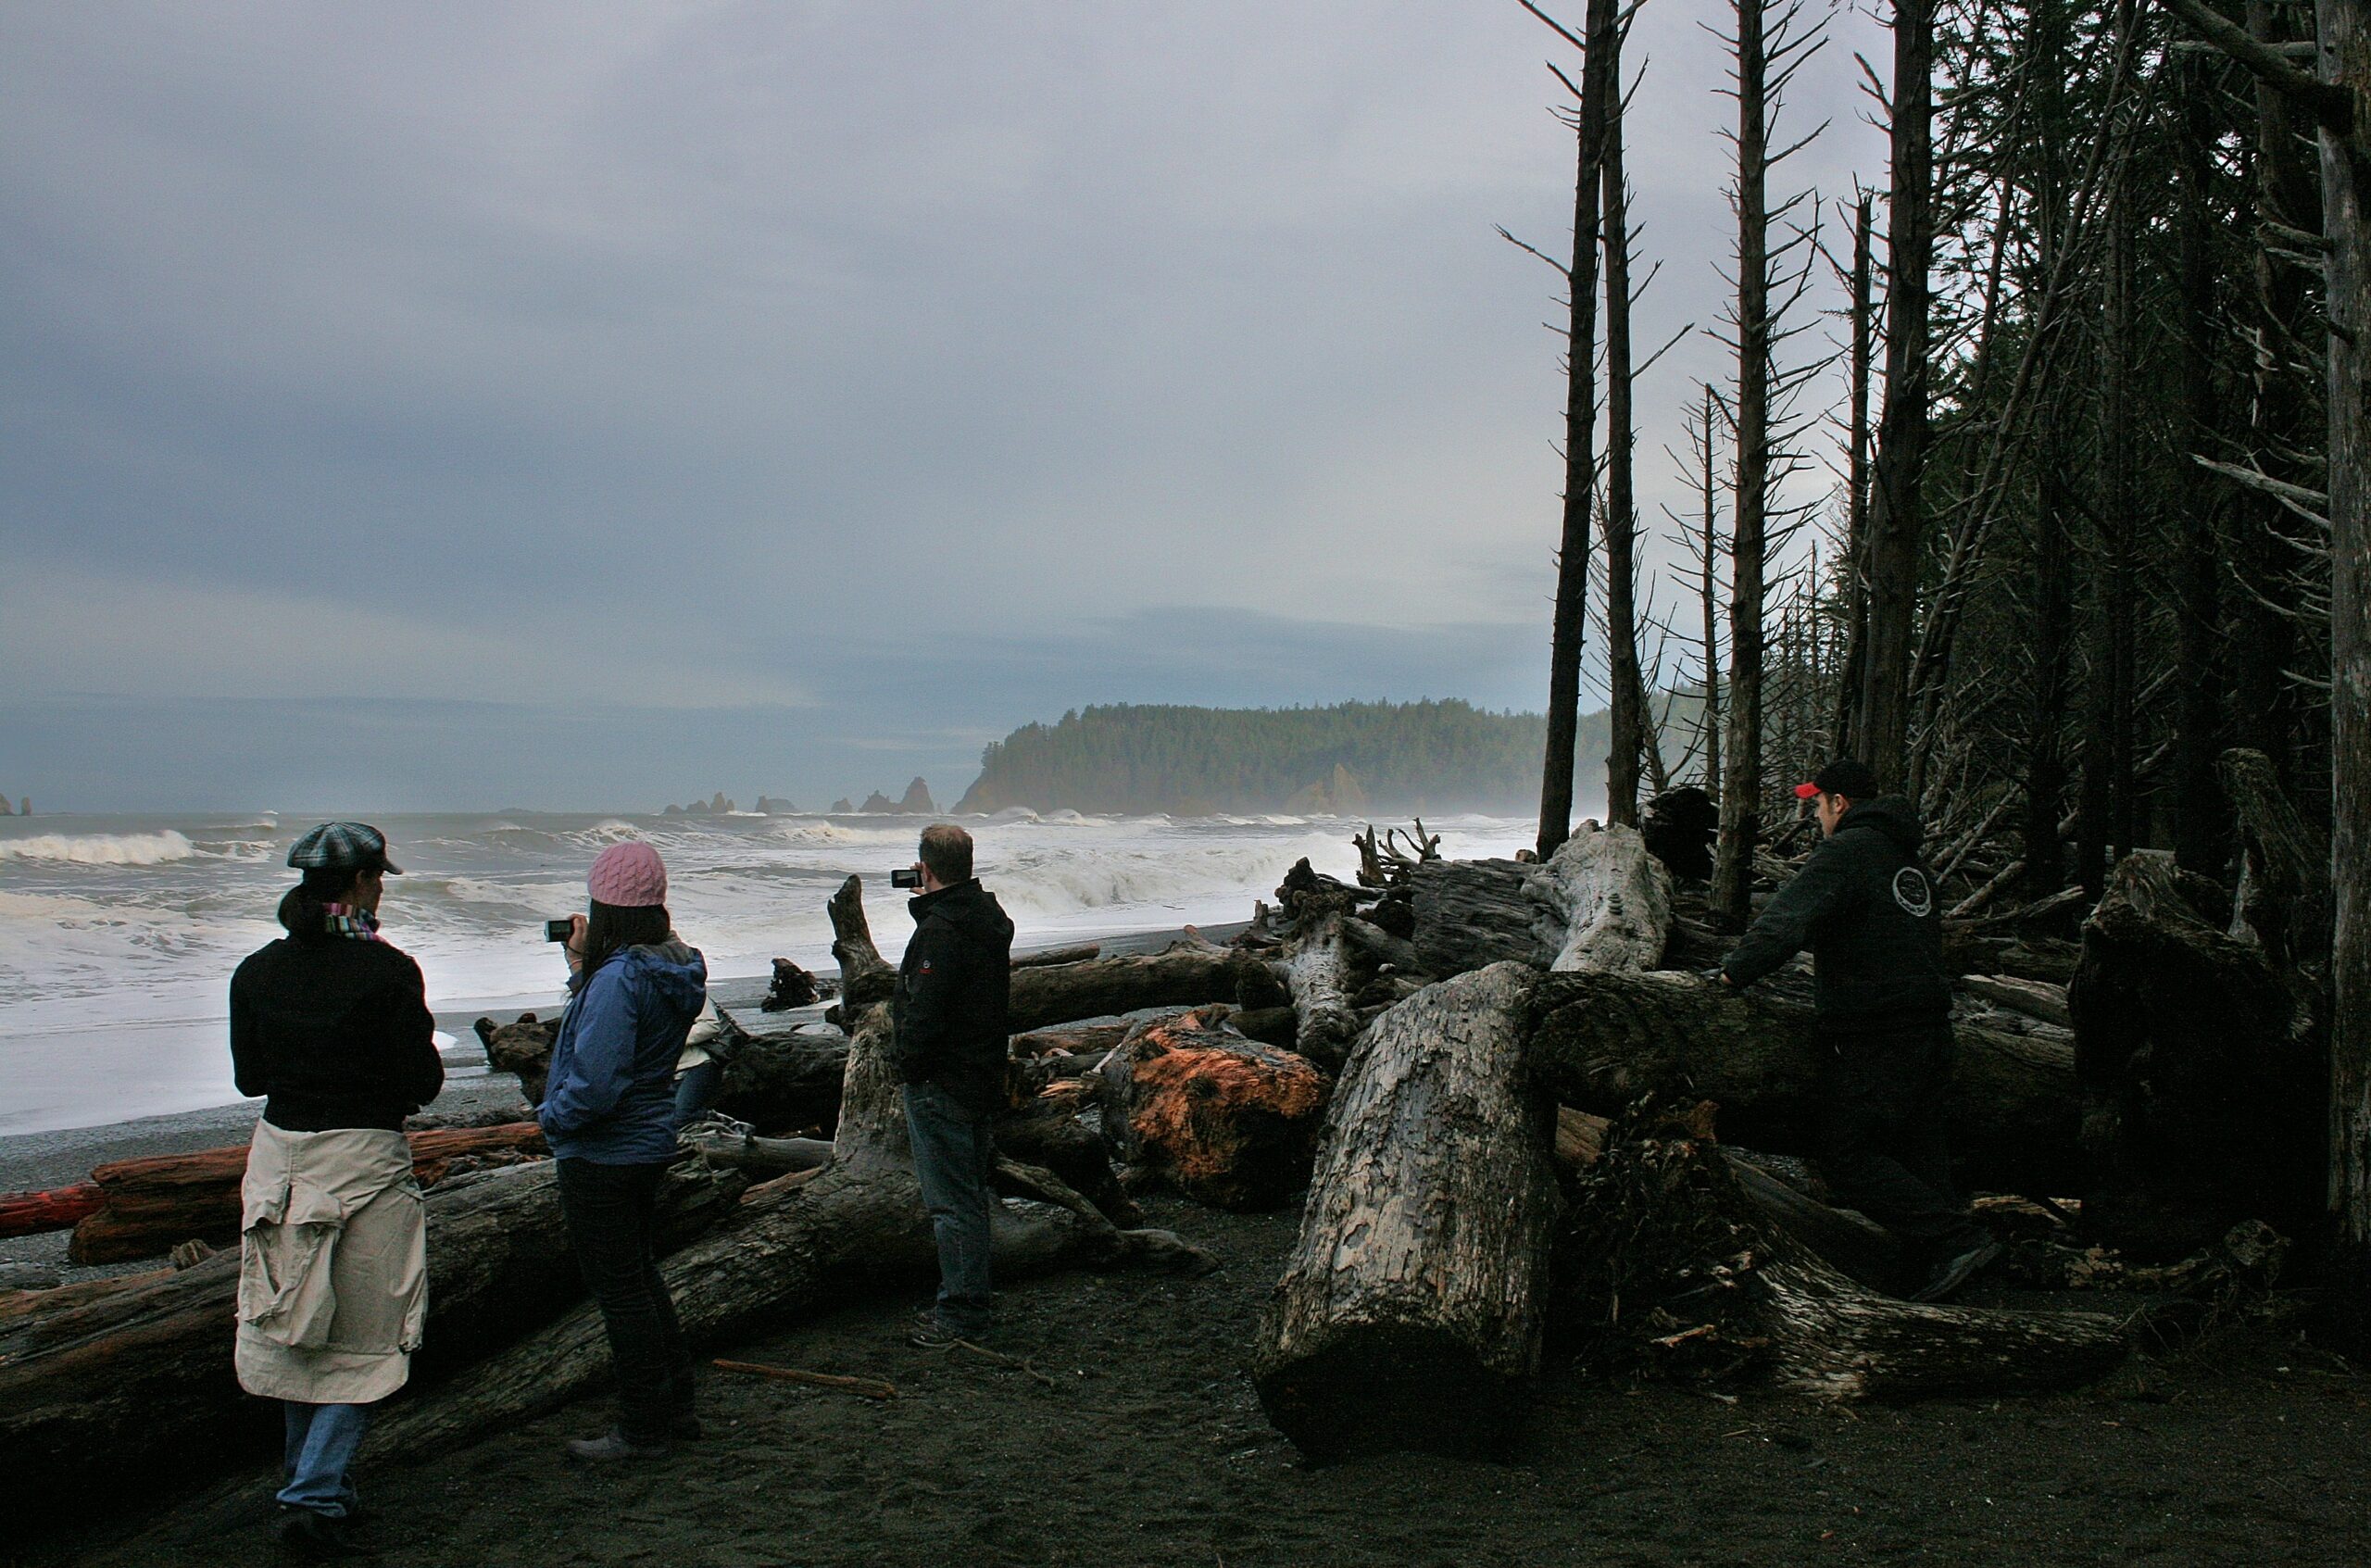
[(918, 799)]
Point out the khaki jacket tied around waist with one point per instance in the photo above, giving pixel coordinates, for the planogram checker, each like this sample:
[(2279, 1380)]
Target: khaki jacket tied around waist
[(332, 1265)]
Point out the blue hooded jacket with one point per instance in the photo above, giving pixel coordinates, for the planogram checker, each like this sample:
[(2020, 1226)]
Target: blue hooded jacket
[(610, 1095)]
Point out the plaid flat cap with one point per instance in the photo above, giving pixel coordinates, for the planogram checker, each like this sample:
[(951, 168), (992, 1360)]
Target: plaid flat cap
[(342, 847)]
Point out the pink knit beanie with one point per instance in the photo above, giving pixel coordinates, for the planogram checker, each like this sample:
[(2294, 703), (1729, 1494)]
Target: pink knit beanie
[(629, 875)]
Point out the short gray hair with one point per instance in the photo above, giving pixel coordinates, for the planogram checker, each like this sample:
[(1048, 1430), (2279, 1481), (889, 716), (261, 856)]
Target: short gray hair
[(946, 850)]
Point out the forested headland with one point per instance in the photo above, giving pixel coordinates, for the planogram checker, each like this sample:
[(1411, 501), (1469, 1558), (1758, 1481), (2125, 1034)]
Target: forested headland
[(1351, 757)]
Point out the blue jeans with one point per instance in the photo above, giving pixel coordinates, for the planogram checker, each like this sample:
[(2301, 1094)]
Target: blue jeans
[(953, 1158), (320, 1449), (695, 1091), (610, 1212)]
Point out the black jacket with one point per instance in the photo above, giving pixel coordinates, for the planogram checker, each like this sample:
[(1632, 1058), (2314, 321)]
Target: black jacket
[(335, 1031), (1864, 904), (954, 994)]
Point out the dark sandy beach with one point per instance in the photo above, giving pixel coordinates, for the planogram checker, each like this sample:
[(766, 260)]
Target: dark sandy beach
[(1143, 1444)]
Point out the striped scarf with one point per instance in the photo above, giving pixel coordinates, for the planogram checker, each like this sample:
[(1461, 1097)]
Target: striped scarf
[(345, 919)]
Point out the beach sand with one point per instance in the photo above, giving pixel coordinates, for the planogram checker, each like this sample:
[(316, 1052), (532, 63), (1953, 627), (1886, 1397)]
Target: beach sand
[(1149, 1448)]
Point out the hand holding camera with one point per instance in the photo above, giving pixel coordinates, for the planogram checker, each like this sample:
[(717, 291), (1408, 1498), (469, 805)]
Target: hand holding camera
[(572, 932), (907, 876)]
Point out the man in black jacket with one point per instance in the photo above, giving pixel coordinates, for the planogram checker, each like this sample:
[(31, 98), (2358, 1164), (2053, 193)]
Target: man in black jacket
[(954, 989), (1864, 904)]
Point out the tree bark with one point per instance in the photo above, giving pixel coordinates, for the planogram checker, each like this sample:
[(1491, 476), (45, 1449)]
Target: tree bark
[(1187, 975), (1855, 576), (1602, 900), (1410, 1311), (28, 1213), (1603, 1040), (1897, 512), (1569, 630), (2346, 174), (1225, 1120), (1627, 718)]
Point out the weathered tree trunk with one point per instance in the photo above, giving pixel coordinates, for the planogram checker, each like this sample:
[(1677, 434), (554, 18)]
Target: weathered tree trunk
[(2346, 172), (2202, 1088), (2199, 838), (1855, 575), (1613, 898), (776, 1082), (1187, 975), (138, 1380), (152, 1204), (1897, 511), (1227, 1120), (1569, 627), (865, 975), (28, 1213), (1603, 1040), (1748, 543), (1627, 722), (2283, 903), (1410, 1311), (1604, 902), (1664, 1258)]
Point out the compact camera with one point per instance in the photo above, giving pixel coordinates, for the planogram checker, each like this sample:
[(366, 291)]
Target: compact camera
[(905, 876), (557, 929)]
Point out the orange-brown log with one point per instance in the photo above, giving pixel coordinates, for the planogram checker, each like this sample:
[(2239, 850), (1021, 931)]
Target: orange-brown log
[(28, 1213), (148, 1205), (1231, 1121)]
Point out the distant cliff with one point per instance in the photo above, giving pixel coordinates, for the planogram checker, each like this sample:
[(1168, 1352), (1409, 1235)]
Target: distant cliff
[(1352, 759)]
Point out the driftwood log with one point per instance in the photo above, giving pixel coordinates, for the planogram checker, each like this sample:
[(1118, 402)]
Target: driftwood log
[(28, 1213), (1601, 1041), (1187, 975), (1601, 901), (777, 1082), (1411, 1310), (1315, 965), (1227, 1120), (2203, 1082), (148, 1206), (858, 1221), (1664, 1260), (133, 1376)]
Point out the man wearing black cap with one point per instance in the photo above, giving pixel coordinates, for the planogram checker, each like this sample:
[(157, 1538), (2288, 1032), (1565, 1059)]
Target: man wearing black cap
[(1864, 904)]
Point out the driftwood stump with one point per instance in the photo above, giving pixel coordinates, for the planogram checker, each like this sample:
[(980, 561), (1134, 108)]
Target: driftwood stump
[(1225, 1120), (1409, 1313)]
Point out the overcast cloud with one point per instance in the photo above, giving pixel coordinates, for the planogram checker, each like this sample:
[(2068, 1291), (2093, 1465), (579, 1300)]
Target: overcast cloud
[(630, 400)]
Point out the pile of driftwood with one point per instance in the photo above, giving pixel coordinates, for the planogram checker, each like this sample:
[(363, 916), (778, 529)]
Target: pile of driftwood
[(1511, 1111)]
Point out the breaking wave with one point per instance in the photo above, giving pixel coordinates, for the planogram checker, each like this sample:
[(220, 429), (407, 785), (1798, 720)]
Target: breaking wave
[(101, 848)]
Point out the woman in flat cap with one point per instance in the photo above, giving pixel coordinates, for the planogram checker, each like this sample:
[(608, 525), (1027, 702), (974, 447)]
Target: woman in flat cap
[(330, 1026)]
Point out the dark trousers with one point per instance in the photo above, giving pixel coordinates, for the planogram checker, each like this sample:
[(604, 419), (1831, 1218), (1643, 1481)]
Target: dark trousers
[(1881, 1141), (610, 1212), (695, 1091), (954, 1155)]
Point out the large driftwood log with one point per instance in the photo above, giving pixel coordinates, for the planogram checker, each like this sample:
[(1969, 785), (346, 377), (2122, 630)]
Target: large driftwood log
[(150, 1205), (1187, 975), (1409, 1313), (1610, 898), (28, 1213), (1227, 1120), (2203, 1085), (135, 1378), (1601, 901), (1603, 1040), (2283, 902), (859, 1219), (1664, 1258), (1315, 965), (778, 1082), (865, 975)]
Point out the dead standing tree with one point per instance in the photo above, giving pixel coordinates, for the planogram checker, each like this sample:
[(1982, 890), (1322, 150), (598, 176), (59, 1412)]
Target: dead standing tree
[(1770, 47), (1571, 624)]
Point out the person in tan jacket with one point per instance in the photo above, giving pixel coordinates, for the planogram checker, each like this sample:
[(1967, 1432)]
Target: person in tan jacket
[(332, 1024)]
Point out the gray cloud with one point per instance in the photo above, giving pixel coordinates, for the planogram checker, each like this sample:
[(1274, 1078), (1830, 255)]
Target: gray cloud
[(719, 355)]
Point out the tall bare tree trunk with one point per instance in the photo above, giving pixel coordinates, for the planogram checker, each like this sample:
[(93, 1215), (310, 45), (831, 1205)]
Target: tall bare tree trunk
[(1855, 576), (1628, 719), (2201, 834), (1712, 705), (1741, 779), (1570, 626), (2346, 205), (1897, 514)]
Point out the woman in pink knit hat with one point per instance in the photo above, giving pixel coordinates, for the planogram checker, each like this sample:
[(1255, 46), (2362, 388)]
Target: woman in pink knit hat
[(608, 1113)]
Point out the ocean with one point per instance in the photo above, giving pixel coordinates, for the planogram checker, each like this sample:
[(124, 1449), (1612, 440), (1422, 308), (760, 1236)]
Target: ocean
[(118, 933)]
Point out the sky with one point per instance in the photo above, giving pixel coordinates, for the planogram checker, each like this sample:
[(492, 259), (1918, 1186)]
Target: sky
[(592, 406)]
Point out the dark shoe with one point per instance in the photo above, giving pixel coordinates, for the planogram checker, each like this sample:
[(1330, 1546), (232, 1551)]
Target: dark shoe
[(321, 1536), (929, 1334), (1953, 1275), (613, 1446)]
